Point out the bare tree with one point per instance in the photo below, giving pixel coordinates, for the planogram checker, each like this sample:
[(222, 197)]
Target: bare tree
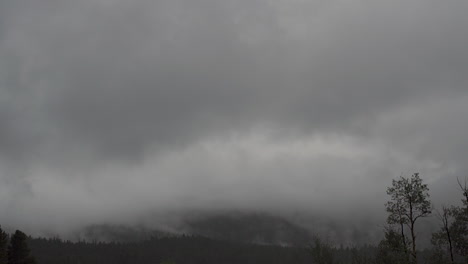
[(444, 236), (459, 227), (464, 189)]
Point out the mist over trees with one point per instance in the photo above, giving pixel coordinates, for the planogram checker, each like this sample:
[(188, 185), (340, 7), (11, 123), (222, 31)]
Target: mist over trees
[(409, 202), (15, 249)]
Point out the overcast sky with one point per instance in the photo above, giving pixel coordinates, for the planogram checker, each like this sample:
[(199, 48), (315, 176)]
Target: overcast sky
[(113, 110)]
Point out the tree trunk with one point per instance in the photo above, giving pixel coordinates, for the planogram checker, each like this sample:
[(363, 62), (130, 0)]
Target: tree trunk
[(403, 238), (413, 235), (445, 221), (413, 238)]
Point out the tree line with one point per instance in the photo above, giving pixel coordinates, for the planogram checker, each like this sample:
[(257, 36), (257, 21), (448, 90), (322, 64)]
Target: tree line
[(409, 202), (14, 249)]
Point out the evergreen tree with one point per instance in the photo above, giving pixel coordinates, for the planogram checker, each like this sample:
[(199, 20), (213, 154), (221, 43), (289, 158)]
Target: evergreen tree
[(322, 251), (18, 251), (3, 247)]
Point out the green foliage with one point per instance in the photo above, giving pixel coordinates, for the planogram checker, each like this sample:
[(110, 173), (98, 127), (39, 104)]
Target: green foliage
[(18, 251)]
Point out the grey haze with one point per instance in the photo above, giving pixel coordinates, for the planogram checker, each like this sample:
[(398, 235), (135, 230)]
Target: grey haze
[(124, 112)]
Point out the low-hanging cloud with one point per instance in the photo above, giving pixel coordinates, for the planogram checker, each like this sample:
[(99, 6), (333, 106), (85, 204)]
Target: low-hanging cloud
[(111, 110)]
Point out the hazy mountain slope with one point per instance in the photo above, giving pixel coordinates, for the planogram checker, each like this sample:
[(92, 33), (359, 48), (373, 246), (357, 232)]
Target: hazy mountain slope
[(238, 227)]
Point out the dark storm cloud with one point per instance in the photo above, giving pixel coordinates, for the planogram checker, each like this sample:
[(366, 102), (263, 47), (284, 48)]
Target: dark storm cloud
[(111, 108), (123, 76)]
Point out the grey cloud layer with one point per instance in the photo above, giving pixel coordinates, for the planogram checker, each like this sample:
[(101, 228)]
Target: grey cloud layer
[(156, 104)]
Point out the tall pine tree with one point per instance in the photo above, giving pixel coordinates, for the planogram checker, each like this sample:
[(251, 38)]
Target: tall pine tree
[(18, 251), (3, 247)]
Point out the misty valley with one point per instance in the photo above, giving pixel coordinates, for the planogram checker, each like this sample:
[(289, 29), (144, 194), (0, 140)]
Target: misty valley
[(236, 237), (233, 131)]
